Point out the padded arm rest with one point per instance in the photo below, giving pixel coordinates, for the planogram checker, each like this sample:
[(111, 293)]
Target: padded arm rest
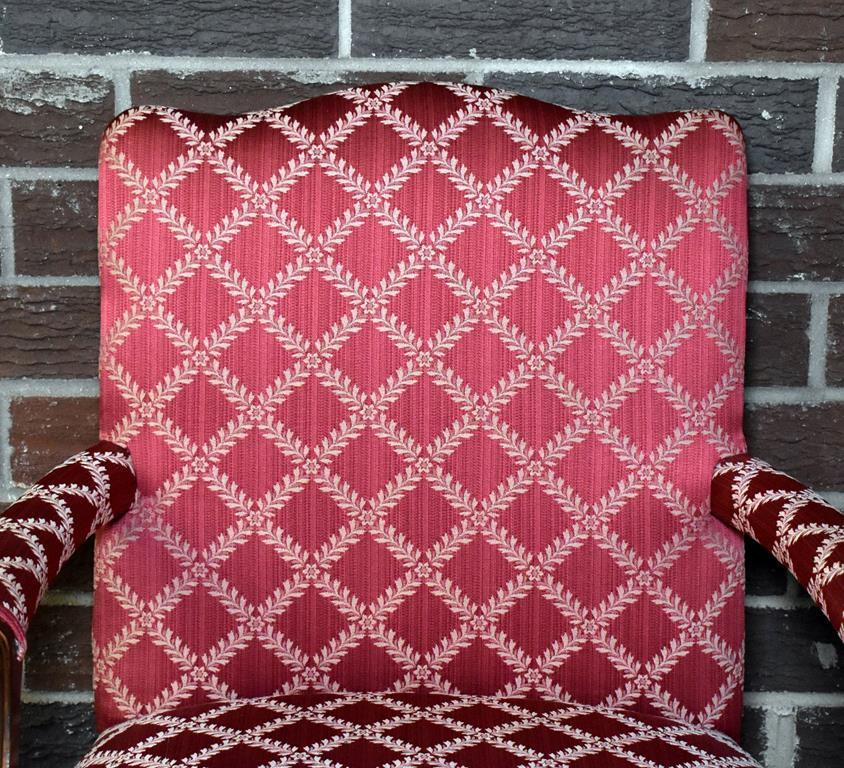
[(800, 529), (44, 527)]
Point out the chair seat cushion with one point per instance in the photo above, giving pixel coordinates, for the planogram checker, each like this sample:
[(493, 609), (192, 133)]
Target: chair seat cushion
[(418, 729)]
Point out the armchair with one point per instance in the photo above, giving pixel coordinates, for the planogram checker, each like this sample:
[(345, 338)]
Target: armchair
[(424, 385)]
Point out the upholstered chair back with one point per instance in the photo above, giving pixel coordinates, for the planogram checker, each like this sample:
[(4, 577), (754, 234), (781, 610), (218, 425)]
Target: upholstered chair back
[(424, 385)]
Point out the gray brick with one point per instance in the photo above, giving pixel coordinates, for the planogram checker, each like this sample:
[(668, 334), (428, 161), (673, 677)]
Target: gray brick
[(55, 227), (838, 154), (753, 736), (835, 342), (51, 119), (764, 575), (389, 76), (779, 30), (820, 737), (49, 332), (806, 441), (777, 339), (222, 92), (172, 27), (777, 116), (529, 29), (55, 735), (792, 650), (233, 92), (59, 655), (796, 233)]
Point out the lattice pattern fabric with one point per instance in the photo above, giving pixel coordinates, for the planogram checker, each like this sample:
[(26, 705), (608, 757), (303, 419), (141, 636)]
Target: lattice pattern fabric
[(45, 526), (798, 527), (425, 385), (419, 730)]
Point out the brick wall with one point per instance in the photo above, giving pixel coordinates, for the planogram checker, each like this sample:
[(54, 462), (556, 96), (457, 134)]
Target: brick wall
[(775, 64)]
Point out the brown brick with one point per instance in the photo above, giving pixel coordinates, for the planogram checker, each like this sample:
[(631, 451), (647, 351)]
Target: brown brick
[(777, 342), (796, 233), (46, 431), (59, 652), (777, 115), (48, 332), (806, 441), (55, 227), (50, 119), (233, 92), (835, 342), (808, 30)]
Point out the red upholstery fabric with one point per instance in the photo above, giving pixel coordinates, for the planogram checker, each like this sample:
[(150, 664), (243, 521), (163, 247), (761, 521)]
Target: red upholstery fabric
[(425, 385), (367, 731), (45, 526), (799, 528)]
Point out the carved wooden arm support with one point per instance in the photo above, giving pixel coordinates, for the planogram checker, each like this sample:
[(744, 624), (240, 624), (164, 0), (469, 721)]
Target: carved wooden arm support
[(799, 528), (38, 534)]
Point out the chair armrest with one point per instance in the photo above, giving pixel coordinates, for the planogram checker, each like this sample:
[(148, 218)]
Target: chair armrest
[(42, 529), (799, 528), (38, 534)]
